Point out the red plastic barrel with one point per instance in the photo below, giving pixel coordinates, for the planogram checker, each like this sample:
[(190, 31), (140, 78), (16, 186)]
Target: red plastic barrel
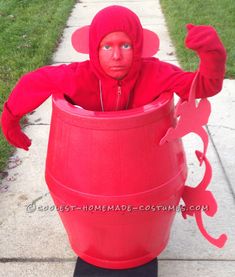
[(117, 188)]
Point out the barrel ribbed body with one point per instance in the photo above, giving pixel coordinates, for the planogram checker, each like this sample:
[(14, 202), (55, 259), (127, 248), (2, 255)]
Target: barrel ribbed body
[(119, 185)]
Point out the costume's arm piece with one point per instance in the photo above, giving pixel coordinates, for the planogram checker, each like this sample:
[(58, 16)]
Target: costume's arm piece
[(34, 88), (29, 93), (210, 74), (192, 117), (205, 41)]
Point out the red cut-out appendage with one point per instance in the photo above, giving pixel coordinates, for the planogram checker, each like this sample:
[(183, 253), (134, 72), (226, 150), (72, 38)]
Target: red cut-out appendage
[(192, 118), (198, 199)]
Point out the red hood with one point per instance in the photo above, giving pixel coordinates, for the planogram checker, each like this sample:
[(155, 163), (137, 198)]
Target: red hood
[(116, 19)]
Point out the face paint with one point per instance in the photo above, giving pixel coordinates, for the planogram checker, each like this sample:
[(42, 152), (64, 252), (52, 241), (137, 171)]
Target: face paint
[(116, 54)]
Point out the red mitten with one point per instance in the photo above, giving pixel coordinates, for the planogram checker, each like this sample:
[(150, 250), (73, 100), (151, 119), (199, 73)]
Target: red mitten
[(206, 42), (12, 130), (202, 38)]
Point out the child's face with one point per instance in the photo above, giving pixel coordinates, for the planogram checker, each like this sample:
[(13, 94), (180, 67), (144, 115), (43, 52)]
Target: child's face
[(116, 54)]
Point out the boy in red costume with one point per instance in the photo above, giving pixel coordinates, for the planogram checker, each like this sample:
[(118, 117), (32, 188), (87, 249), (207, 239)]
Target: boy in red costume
[(116, 77), (90, 85)]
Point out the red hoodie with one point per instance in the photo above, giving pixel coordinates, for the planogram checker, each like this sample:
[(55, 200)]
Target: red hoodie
[(84, 82)]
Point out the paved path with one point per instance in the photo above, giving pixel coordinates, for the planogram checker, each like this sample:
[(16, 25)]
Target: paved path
[(35, 244)]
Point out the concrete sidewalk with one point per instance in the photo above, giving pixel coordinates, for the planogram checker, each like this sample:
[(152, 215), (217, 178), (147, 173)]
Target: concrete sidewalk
[(34, 242)]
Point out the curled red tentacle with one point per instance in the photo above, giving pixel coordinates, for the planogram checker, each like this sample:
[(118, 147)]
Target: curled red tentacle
[(198, 199)]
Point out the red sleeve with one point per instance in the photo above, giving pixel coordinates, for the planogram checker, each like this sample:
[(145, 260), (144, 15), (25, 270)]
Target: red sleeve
[(35, 87), (210, 79)]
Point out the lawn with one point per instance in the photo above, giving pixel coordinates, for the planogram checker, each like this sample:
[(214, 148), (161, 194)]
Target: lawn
[(30, 32), (218, 13)]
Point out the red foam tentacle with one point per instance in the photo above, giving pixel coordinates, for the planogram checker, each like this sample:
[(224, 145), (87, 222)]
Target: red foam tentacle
[(219, 242), (201, 132), (208, 171)]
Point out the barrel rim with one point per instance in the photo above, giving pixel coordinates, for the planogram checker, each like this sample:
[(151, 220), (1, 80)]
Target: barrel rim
[(61, 103)]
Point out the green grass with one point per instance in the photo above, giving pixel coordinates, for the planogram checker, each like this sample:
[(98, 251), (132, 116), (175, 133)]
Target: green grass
[(29, 33), (218, 13)]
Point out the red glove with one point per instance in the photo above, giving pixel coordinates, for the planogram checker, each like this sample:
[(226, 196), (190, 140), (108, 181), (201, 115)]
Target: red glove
[(12, 130), (206, 42)]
